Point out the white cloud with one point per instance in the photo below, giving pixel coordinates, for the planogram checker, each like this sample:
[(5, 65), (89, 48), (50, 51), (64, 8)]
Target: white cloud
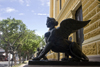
[(21, 13), (27, 5), (42, 14), (21, 1), (43, 2), (32, 11), (27, 2), (39, 34), (48, 3), (8, 10), (12, 0)]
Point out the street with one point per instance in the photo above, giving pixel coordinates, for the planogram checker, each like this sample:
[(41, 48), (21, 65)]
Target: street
[(5, 63)]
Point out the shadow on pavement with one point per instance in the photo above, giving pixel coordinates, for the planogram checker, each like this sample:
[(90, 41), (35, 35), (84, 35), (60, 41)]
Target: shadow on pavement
[(26, 66)]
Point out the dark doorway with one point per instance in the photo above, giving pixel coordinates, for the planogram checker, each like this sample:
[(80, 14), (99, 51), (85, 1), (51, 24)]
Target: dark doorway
[(79, 33)]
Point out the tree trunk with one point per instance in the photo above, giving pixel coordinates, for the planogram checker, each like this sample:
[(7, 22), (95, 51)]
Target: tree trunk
[(19, 58), (27, 56), (6, 51), (14, 58), (24, 57), (23, 60)]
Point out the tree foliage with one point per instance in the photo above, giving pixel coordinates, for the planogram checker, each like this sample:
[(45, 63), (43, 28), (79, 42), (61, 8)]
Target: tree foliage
[(16, 37)]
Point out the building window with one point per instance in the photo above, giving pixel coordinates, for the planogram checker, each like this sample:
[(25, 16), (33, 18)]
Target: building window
[(60, 4), (70, 38), (79, 33)]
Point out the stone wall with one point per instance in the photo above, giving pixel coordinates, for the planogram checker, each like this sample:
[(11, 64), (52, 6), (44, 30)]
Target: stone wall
[(91, 10), (52, 55)]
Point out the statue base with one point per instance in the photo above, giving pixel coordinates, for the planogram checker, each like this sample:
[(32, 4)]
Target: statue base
[(63, 63)]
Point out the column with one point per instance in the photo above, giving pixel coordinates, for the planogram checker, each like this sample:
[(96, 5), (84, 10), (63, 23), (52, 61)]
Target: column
[(51, 8), (55, 9), (62, 3), (58, 7)]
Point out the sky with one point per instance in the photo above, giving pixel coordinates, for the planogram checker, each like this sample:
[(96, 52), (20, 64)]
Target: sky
[(33, 13)]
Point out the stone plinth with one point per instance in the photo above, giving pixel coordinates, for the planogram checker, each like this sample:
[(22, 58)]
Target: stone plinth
[(55, 66), (63, 63)]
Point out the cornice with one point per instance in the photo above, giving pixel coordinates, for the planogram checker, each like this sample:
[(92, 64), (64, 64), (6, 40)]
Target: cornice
[(66, 11)]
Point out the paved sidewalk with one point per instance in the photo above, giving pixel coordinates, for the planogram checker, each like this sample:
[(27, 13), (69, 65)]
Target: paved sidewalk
[(23, 65), (52, 66), (91, 58)]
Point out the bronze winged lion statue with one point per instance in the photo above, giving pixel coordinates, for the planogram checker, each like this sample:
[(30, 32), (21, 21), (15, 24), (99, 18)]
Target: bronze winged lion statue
[(57, 39)]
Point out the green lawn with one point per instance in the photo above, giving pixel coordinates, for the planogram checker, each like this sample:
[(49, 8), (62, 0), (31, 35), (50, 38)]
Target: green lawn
[(25, 62), (16, 65)]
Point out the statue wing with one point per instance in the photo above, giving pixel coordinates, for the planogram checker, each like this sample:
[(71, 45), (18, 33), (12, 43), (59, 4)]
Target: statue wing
[(69, 26)]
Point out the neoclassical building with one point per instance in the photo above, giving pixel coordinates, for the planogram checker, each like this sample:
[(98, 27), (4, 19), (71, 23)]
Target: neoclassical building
[(82, 10)]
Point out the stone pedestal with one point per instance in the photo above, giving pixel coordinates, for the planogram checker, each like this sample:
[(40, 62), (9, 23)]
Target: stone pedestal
[(55, 66), (63, 63)]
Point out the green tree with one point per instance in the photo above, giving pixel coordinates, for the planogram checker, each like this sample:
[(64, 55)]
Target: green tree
[(12, 30), (17, 38), (28, 44)]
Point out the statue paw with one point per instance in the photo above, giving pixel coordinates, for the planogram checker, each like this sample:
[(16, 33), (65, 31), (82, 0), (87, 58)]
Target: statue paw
[(36, 58), (64, 59), (85, 60), (73, 60)]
